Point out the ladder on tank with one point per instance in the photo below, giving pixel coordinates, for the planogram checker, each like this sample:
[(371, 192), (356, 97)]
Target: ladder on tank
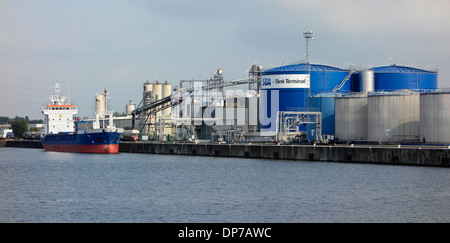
[(338, 87)]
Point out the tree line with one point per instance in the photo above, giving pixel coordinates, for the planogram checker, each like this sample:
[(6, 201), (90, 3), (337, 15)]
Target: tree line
[(7, 120), (19, 125)]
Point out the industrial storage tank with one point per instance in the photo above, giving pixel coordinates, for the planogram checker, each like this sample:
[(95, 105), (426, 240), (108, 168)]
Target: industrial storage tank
[(351, 118), (157, 95), (394, 116), (157, 91), (101, 103), (323, 103), (129, 108), (367, 80), (396, 77), (291, 84), (167, 91), (435, 117), (148, 93), (148, 87)]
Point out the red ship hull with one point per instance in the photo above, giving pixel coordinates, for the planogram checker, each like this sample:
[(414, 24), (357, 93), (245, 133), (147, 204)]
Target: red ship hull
[(97, 149)]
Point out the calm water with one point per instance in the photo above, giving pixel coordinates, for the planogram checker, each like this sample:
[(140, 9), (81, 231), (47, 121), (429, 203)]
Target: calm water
[(38, 186)]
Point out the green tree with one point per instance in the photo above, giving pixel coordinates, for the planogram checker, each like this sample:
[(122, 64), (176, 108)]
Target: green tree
[(4, 120), (19, 127), (34, 129)]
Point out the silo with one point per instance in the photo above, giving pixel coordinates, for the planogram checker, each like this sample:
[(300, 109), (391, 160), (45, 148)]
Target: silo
[(351, 118), (394, 116), (396, 77), (157, 91), (147, 97), (157, 94), (292, 84), (435, 117), (148, 87), (167, 91), (148, 93), (100, 104), (129, 108)]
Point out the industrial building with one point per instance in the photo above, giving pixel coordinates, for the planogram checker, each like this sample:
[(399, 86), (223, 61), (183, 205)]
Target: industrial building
[(302, 102), (286, 83)]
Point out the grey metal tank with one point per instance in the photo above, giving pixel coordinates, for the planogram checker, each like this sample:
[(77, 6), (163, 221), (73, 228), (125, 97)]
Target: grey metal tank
[(351, 118), (394, 116), (367, 80), (435, 117)]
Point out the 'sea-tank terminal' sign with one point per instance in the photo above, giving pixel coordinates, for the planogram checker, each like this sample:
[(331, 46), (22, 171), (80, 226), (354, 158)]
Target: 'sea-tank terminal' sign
[(284, 81)]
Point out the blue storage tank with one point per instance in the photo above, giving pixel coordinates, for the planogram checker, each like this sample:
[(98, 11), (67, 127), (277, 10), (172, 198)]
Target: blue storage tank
[(292, 85), (395, 77), (323, 103)]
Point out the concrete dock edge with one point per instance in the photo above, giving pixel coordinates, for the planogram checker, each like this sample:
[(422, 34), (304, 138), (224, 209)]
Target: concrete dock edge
[(414, 155), (420, 156)]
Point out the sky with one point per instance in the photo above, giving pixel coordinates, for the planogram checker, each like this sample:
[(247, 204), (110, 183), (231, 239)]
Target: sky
[(91, 45)]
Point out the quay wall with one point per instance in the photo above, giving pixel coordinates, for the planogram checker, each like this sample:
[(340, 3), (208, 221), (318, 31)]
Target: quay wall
[(422, 156), (405, 155), (21, 143)]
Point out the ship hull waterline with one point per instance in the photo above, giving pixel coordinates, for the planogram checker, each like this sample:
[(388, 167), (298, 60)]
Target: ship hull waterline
[(94, 141), (94, 149)]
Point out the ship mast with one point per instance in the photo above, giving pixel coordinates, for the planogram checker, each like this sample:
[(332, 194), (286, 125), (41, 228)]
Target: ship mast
[(56, 98)]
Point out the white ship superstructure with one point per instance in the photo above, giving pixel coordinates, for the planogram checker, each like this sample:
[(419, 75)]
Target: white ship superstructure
[(58, 114), (63, 134)]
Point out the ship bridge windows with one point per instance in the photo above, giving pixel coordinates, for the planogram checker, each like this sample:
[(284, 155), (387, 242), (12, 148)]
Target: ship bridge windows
[(60, 108)]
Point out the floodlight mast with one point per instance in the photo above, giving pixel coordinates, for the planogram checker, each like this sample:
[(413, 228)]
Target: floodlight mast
[(308, 35)]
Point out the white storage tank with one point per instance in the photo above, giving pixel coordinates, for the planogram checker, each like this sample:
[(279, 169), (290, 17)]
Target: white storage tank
[(394, 116), (167, 91), (148, 87), (351, 118), (129, 108), (157, 91), (101, 103), (435, 117), (148, 93), (157, 95)]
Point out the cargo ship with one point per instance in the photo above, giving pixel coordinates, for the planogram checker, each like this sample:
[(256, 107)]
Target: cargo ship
[(62, 133)]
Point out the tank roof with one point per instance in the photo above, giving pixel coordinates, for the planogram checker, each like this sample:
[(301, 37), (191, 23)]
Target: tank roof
[(304, 67), (402, 92), (399, 69)]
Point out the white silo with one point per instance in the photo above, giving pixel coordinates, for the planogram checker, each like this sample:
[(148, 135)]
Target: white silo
[(147, 94), (157, 95), (129, 108), (148, 87), (167, 91), (101, 103)]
